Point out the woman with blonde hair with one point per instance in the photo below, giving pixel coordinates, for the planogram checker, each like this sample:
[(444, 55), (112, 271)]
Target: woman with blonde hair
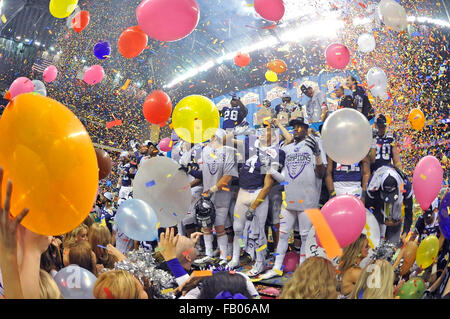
[(375, 282), (314, 279), (99, 235), (349, 268), (78, 234), (118, 284), (82, 255), (48, 287)]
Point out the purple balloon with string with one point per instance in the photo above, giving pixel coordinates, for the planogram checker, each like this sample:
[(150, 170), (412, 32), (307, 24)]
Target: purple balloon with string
[(444, 216), (102, 50)]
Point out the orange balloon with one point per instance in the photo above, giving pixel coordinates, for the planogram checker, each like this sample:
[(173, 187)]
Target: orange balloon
[(132, 42), (409, 255), (388, 119), (417, 119), (49, 157), (277, 66)]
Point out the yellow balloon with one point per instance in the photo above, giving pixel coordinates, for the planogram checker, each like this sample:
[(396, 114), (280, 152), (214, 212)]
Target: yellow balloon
[(416, 119), (49, 157), (62, 8), (271, 76), (195, 119), (427, 252)]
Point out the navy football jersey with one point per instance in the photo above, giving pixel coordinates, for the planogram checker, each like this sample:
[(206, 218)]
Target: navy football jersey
[(347, 173), (232, 116), (126, 180), (384, 155), (251, 175)]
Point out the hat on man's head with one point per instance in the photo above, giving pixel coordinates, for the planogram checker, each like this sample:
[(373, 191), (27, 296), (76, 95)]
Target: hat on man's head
[(298, 121), (389, 190), (124, 154), (109, 196)]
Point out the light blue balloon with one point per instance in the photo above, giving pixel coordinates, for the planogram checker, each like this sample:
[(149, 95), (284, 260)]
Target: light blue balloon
[(137, 220), (75, 282)]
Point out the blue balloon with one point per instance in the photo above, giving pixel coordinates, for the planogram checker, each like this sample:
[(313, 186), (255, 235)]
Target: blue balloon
[(444, 216), (137, 220), (75, 282), (102, 50)]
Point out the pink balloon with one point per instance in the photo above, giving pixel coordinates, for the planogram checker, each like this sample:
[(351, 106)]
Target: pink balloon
[(346, 216), (19, 86), (94, 75), (165, 145), (337, 55), (291, 261), (168, 20), (50, 73), (272, 10), (427, 180)]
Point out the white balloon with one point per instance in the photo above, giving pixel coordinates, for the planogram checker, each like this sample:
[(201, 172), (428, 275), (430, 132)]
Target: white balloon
[(384, 96), (393, 15), (378, 91), (372, 230), (312, 249), (39, 87), (352, 127), (366, 43), (159, 183), (376, 78)]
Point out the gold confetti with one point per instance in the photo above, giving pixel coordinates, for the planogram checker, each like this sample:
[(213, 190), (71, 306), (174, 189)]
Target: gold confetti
[(165, 291), (261, 248), (423, 177), (279, 272), (236, 215), (4, 18)]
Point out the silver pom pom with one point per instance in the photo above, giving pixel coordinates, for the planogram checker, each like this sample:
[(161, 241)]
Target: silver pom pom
[(142, 265), (385, 250)]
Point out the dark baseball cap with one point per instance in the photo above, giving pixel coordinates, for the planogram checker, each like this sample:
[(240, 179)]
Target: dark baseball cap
[(298, 121), (381, 120), (389, 190)]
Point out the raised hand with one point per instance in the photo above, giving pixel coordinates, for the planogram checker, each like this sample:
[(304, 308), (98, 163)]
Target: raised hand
[(167, 244), (8, 224), (313, 145)]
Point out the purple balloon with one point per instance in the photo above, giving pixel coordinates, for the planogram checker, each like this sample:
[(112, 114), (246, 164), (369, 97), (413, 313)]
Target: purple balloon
[(444, 216), (102, 50)]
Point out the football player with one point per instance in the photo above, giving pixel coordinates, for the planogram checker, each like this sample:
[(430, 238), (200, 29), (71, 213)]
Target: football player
[(303, 170)]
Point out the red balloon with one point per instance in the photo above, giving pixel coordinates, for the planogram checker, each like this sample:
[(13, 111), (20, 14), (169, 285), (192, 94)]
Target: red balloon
[(132, 42), (337, 55), (157, 107), (81, 21), (104, 163), (162, 124), (242, 59)]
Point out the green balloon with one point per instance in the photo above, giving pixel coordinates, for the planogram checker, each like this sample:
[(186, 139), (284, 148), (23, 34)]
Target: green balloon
[(412, 289)]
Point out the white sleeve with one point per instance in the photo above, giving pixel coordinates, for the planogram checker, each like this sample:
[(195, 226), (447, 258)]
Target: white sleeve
[(323, 154), (192, 294), (181, 280), (230, 165)]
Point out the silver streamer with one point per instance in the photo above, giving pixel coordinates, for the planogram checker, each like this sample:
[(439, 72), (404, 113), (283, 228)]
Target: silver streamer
[(385, 250), (142, 265)]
